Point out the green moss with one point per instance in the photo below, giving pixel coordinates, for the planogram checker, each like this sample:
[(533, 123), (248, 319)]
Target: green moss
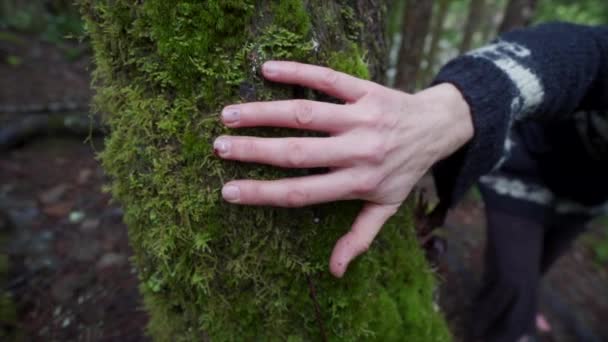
[(164, 71), (292, 14), (350, 61)]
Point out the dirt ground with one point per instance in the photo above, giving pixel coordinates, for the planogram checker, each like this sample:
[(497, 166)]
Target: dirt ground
[(71, 278)]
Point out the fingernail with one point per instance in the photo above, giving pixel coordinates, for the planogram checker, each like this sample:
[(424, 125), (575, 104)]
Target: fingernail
[(231, 193), (271, 68), (221, 146), (231, 115)]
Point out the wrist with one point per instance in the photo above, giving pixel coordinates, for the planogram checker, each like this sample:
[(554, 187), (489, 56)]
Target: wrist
[(455, 116)]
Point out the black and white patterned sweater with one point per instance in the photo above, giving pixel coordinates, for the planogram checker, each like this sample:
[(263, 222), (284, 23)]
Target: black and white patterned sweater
[(551, 74)]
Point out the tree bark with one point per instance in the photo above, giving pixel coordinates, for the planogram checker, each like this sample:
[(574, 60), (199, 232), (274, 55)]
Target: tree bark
[(164, 69), (472, 25), (518, 13), (414, 30), (491, 21)]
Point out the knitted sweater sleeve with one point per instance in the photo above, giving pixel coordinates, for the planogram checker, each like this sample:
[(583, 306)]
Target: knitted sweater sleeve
[(546, 72)]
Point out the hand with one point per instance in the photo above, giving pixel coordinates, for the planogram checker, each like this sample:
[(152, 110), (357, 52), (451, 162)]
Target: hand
[(380, 143)]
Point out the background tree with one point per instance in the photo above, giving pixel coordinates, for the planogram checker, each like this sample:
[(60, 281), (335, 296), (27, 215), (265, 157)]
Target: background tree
[(164, 71), (415, 27), (439, 18), (474, 20), (519, 13)]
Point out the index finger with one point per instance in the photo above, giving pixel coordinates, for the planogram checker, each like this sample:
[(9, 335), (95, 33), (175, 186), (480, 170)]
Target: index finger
[(329, 81)]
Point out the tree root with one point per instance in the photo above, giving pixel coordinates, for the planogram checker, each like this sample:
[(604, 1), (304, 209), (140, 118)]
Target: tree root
[(313, 296), (426, 224)]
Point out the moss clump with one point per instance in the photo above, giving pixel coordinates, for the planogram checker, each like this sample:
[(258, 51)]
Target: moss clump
[(350, 61), (164, 71)]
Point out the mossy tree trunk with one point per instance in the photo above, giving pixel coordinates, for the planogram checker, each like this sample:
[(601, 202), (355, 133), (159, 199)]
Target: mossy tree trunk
[(164, 69)]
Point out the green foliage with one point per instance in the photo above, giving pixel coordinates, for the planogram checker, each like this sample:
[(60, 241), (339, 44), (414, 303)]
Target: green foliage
[(589, 12), (33, 17), (599, 245), (14, 61), (164, 69)]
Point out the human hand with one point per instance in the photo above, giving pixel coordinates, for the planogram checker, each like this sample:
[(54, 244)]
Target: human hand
[(380, 143)]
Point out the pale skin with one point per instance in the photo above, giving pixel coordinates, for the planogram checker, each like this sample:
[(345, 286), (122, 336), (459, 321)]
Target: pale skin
[(380, 143)]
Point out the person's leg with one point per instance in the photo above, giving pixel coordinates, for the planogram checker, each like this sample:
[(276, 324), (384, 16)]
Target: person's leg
[(517, 205), (560, 233), (505, 308)]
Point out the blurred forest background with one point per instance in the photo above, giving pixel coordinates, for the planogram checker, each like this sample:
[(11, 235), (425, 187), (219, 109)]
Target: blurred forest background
[(64, 270)]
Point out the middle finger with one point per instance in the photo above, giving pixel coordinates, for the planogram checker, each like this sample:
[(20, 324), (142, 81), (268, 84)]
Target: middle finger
[(300, 114), (285, 152)]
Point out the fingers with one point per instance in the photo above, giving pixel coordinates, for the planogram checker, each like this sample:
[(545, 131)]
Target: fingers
[(290, 192), (286, 152), (334, 83), (301, 114), (367, 225)]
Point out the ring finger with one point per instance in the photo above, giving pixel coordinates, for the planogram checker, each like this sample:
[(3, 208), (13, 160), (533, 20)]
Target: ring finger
[(291, 192)]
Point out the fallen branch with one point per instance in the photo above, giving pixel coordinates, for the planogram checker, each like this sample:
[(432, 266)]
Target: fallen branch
[(27, 127)]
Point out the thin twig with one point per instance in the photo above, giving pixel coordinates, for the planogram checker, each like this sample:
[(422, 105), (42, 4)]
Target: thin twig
[(313, 296)]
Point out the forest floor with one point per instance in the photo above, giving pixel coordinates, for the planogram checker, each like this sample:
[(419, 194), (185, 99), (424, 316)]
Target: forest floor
[(70, 274)]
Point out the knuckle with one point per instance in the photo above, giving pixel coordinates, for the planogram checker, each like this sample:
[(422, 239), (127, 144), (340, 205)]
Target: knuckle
[(303, 112), (373, 153), (371, 118), (296, 69), (357, 244), (363, 246), (367, 185), (380, 151), (388, 121), (248, 147), (329, 78), (295, 198), (295, 154), (393, 210)]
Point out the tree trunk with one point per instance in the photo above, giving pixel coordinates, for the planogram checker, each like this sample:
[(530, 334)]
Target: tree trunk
[(473, 21), (393, 21), (436, 34), (414, 29), (164, 69), (519, 13), (491, 20)]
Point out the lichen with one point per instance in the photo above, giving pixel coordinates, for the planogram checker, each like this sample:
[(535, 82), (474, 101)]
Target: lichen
[(164, 69)]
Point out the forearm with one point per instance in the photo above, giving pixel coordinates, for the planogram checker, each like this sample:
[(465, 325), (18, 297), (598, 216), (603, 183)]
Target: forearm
[(546, 72)]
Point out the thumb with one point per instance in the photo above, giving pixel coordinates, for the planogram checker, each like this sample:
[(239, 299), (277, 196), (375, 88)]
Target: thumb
[(357, 241)]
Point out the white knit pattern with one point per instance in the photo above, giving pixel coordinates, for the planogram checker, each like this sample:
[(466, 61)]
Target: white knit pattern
[(569, 207), (534, 193), (510, 58), (516, 188)]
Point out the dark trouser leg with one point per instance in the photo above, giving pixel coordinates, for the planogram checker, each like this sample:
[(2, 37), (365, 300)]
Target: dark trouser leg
[(506, 306), (560, 233)]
